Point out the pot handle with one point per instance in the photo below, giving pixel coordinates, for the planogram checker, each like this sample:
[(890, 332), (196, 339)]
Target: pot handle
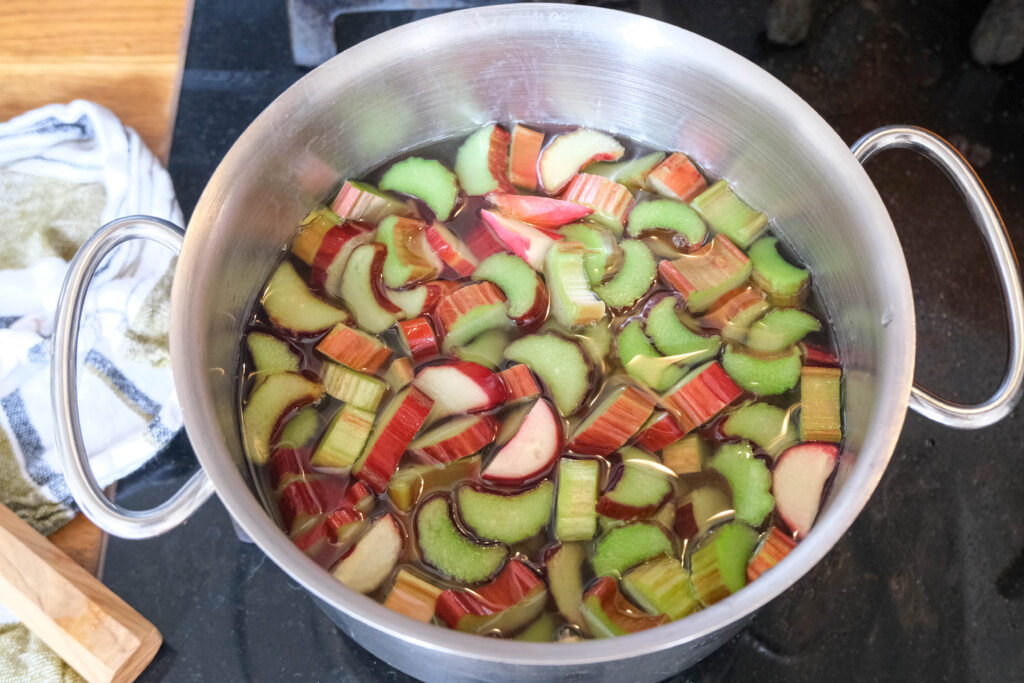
[(986, 216), (103, 512)]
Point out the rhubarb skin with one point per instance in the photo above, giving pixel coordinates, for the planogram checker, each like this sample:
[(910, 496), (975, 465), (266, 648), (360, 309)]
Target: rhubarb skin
[(700, 396), (776, 546), (609, 200), (524, 151), (490, 607), (479, 431), (464, 300), (704, 276), (677, 178), (418, 336), (313, 228), (520, 384), (660, 430), (412, 596), (354, 349), (612, 421), (332, 255), (450, 249), (393, 432), (543, 212), (286, 465), (609, 613), (362, 202)]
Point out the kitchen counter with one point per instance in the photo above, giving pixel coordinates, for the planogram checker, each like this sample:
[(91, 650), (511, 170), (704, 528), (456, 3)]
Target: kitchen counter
[(928, 584)]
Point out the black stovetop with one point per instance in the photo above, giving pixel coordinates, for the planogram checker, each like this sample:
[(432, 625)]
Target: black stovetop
[(928, 584)]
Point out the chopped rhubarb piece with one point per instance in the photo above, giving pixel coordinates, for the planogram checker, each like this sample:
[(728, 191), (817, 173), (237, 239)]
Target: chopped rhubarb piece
[(798, 481), (780, 329), (609, 614), (762, 376), (659, 431), (617, 416), (360, 201), (404, 264), (482, 242), (634, 278), (268, 408), (460, 387), (573, 304), (728, 215), (530, 454), (457, 438), (424, 179), (609, 200), (560, 364), (344, 384), (699, 396), (819, 357), (487, 350), (602, 258), (643, 484), (344, 524), (661, 586), (543, 212), (576, 504), (735, 313), (300, 429), (450, 249), (642, 362), (626, 546), (632, 173), (677, 178), (701, 508), (569, 152), (542, 630), (271, 354), (359, 496), (702, 277), (719, 567), (399, 374), (336, 248), (686, 455), (749, 480), (314, 542), (299, 506), (292, 307), (523, 154), (675, 220), (413, 482), (361, 289), (770, 427), (395, 428), (525, 241), (417, 336), (820, 414), (344, 439), (785, 283), (286, 465), (520, 383), (447, 550), (673, 338), (354, 349), (374, 557), (482, 161), (527, 296), (564, 568), (504, 606), (509, 518), (413, 596), (313, 228), (469, 312), (773, 550)]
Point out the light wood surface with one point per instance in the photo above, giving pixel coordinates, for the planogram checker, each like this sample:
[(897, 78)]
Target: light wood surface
[(124, 54), (92, 629), (82, 541)]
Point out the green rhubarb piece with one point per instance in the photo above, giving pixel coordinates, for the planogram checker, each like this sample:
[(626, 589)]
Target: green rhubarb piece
[(564, 567), (602, 254), (576, 505), (446, 549), (475, 322), (271, 354), (749, 479), (627, 546), (472, 163), (634, 278), (573, 304), (412, 482), (667, 214), (396, 273), (773, 273), (344, 438), (719, 567), (762, 376), (291, 305), (426, 179), (357, 290), (506, 518), (661, 586), (488, 349), (597, 340), (820, 407), (270, 401), (780, 329), (411, 301), (609, 614), (728, 215), (301, 428), (632, 173), (770, 427), (705, 276), (644, 484), (687, 455), (643, 362), (355, 388), (673, 338), (516, 279), (542, 630), (559, 363)]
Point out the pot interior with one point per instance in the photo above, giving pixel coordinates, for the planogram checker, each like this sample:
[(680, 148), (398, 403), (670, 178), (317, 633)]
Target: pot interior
[(628, 75)]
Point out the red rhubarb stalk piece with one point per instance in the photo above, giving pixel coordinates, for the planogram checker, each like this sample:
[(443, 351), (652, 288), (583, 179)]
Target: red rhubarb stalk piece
[(460, 387), (313, 228), (395, 428), (339, 521), (699, 396), (703, 276), (677, 178), (479, 608), (362, 202), (359, 496), (543, 212), (525, 241), (775, 547), (524, 152), (798, 481), (418, 337), (520, 383), (660, 431), (569, 152), (354, 348), (609, 200), (611, 422), (464, 300), (455, 439), (609, 613), (286, 465), (818, 356), (531, 453), (333, 252), (450, 249)]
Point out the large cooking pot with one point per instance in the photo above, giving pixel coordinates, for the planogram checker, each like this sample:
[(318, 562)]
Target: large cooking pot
[(446, 76)]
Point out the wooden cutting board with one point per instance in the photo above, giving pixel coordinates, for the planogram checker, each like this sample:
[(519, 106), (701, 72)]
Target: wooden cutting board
[(127, 55)]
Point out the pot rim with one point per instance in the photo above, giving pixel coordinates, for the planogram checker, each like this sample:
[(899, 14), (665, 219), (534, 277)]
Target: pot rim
[(897, 343)]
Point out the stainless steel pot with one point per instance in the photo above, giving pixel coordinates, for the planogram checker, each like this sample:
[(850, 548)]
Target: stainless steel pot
[(445, 76)]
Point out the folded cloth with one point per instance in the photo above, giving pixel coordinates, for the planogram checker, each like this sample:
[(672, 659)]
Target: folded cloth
[(65, 170)]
